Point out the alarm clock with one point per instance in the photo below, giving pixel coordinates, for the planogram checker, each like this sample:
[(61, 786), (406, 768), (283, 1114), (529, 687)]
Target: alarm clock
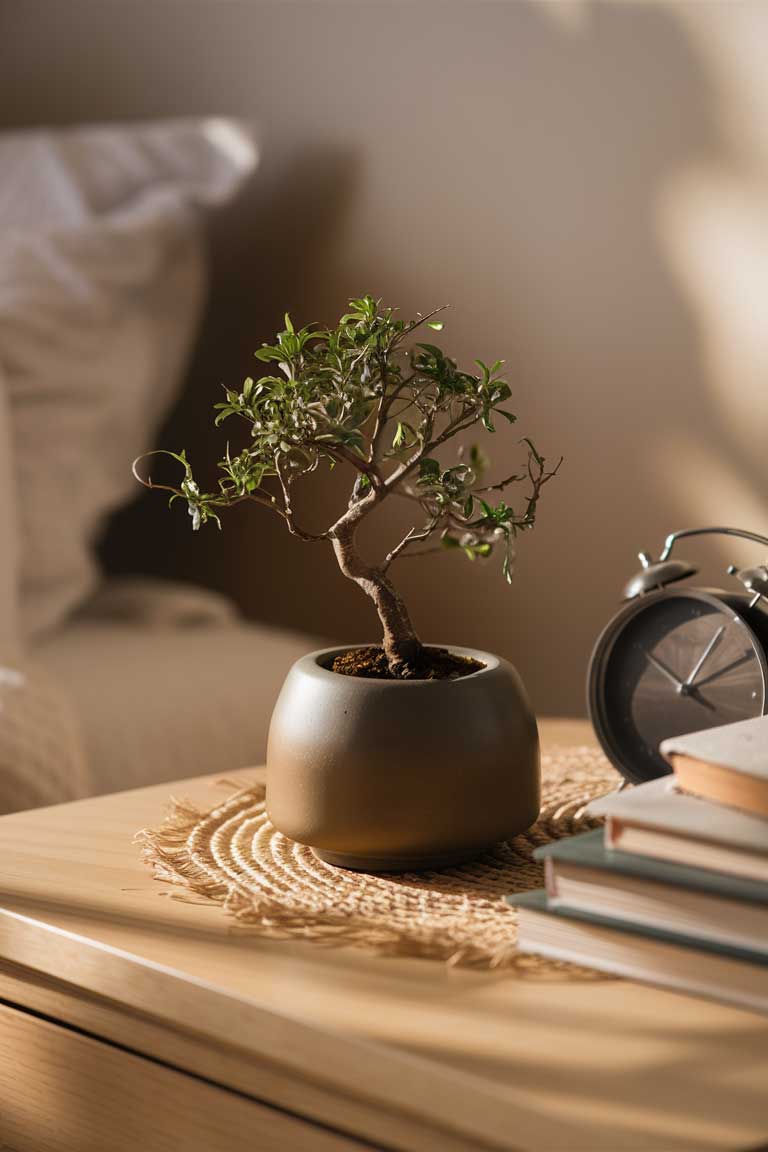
[(678, 659)]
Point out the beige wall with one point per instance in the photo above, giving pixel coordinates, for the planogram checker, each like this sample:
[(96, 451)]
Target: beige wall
[(584, 183)]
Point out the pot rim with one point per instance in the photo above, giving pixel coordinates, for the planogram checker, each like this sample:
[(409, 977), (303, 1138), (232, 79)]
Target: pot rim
[(317, 662)]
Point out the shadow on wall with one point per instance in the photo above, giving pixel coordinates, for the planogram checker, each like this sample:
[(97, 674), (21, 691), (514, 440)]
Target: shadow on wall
[(494, 156), (269, 247), (555, 262)]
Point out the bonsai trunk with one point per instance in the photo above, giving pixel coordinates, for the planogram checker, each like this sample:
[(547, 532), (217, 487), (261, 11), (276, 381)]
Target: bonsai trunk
[(402, 646)]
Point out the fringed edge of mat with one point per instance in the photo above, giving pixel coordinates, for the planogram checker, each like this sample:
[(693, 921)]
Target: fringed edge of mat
[(165, 850)]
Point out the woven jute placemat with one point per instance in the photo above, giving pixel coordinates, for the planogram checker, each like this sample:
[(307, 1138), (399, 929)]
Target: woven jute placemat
[(274, 887)]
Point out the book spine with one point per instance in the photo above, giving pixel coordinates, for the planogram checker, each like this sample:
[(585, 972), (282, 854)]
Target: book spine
[(550, 879)]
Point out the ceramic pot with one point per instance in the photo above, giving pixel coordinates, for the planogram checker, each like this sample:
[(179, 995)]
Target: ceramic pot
[(400, 775)]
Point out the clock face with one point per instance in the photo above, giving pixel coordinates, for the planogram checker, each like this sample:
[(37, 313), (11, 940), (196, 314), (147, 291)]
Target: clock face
[(670, 664)]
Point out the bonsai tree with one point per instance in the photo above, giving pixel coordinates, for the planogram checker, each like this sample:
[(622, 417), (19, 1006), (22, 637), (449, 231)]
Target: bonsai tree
[(357, 395)]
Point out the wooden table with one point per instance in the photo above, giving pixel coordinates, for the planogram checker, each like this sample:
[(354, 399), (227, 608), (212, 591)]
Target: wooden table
[(131, 1021)]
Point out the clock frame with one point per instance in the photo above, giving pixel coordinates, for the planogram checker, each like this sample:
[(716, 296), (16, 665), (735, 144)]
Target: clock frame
[(654, 702), (678, 659)]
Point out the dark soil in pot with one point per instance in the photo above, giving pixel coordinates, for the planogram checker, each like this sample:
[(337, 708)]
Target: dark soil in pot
[(436, 664)]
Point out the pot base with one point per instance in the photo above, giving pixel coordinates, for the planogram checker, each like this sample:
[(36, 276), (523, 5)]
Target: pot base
[(402, 775), (398, 863)]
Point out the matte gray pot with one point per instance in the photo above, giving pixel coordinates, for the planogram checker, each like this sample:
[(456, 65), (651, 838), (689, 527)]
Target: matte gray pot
[(398, 775)]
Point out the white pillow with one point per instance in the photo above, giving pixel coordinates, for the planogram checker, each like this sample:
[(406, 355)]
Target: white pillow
[(42, 760), (101, 285), (9, 606)]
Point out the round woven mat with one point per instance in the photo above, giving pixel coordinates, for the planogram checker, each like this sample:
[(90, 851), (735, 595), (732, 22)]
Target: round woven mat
[(275, 887)]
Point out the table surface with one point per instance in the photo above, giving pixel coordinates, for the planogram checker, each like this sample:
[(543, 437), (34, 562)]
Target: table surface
[(485, 1060)]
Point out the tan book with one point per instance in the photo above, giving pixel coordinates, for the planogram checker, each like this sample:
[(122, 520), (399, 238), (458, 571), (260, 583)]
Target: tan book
[(659, 821), (726, 765)]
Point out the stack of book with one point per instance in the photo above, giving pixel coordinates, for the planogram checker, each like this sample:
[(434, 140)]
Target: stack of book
[(673, 890)]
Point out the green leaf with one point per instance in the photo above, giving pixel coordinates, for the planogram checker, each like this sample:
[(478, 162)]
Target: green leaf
[(324, 395), (402, 431), (267, 353)]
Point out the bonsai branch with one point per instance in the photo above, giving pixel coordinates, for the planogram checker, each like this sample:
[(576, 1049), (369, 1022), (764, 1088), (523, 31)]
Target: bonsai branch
[(538, 476), (515, 478), (285, 484), (411, 538), (338, 396), (383, 414), (342, 454), (401, 645), (266, 499)]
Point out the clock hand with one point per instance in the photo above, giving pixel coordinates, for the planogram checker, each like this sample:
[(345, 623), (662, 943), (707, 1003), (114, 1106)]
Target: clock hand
[(683, 689), (745, 659), (678, 683), (700, 662), (694, 694)]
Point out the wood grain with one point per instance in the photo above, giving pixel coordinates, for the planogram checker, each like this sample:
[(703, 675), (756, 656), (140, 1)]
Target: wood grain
[(227, 1065), (404, 1053), (64, 1092)]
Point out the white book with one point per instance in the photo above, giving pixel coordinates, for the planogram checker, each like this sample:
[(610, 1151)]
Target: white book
[(741, 747), (658, 820), (727, 765)]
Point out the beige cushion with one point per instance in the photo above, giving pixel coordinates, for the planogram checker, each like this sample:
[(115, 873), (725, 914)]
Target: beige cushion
[(157, 703), (41, 752), (101, 283)]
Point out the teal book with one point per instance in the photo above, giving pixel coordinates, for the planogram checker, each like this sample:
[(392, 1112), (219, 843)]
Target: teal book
[(583, 875), (641, 952), (588, 849)]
